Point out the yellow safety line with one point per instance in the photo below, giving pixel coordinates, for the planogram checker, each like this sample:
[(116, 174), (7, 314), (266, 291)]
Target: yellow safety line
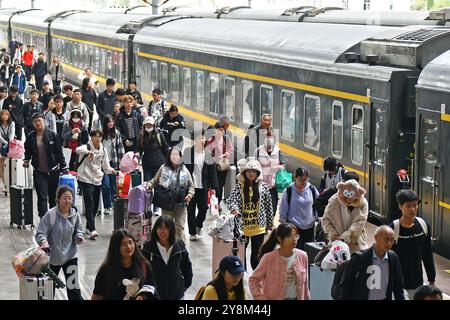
[(89, 43), (444, 205), (30, 30), (445, 117), (284, 83)]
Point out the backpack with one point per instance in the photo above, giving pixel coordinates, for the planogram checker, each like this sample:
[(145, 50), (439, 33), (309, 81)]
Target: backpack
[(338, 287), (200, 292), (422, 223)]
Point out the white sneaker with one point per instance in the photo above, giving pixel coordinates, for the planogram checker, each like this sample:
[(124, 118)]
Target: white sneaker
[(94, 234), (199, 231), (107, 211), (193, 237)]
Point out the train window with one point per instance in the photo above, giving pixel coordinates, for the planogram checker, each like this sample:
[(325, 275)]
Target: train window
[(247, 102), (154, 74), (164, 81), (187, 86), (288, 114), (357, 135), (230, 97), (109, 63), (120, 67), (311, 125), (97, 60), (103, 62), (266, 100), (338, 131), (200, 90), (91, 57), (214, 93), (174, 82)]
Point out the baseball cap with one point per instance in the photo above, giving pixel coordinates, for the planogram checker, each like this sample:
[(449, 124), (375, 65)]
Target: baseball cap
[(3, 89), (232, 264), (149, 120)]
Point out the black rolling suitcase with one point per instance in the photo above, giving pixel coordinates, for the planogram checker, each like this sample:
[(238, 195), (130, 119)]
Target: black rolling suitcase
[(21, 204), (120, 209)]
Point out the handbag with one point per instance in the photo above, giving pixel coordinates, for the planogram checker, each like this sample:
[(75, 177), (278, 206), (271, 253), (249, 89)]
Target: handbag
[(16, 149), (322, 254), (223, 164), (164, 197), (282, 180)]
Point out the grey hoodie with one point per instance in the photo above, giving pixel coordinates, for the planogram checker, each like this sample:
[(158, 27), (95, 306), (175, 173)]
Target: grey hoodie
[(61, 236)]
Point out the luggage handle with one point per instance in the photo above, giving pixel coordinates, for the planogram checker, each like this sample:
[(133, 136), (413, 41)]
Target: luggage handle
[(26, 177)]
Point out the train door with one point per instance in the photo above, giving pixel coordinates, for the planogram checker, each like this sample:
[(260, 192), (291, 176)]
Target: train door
[(429, 170), (378, 158)]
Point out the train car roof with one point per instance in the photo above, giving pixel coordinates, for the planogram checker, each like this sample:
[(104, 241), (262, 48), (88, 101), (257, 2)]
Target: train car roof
[(275, 14), (94, 23), (33, 18), (436, 75), (287, 43), (5, 14)]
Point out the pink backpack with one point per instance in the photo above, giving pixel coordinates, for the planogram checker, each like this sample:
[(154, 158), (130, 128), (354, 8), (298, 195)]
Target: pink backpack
[(139, 199), (129, 162), (16, 149)]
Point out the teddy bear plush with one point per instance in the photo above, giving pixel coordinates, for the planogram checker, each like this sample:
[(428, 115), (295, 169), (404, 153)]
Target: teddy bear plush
[(350, 193)]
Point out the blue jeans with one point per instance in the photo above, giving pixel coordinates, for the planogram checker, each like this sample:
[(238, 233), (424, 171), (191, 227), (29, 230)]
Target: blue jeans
[(109, 190)]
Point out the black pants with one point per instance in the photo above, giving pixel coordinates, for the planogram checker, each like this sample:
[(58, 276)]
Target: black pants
[(39, 83), (28, 129), (28, 72), (306, 235), (257, 242), (222, 177), (18, 131), (45, 185), (133, 147), (91, 197), (70, 269), (56, 84), (274, 196), (199, 201)]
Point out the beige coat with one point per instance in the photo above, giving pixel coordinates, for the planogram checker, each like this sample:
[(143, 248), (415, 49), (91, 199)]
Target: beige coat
[(349, 226)]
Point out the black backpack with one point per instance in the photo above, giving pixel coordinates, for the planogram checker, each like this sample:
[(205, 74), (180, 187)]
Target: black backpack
[(338, 288)]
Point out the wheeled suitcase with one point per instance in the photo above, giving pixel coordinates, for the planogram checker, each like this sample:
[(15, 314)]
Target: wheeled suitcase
[(21, 205), (139, 225), (14, 174), (70, 181), (320, 283), (312, 249), (35, 288), (140, 199), (120, 210), (222, 248)]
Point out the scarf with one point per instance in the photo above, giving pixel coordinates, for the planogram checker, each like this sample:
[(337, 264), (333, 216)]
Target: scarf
[(73, 143)]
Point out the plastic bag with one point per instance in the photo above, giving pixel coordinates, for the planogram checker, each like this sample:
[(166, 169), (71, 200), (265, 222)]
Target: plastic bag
[(282, 180), (129, 162), (30, 262), (339, 252), (16, 149), (228, 227), (212, 214)]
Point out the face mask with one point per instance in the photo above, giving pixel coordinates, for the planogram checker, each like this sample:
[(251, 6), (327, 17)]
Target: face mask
[(270, 142), (76, 120), (149, 130)]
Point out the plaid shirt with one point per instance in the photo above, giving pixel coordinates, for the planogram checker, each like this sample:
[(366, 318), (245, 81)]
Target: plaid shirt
[(117, 152)]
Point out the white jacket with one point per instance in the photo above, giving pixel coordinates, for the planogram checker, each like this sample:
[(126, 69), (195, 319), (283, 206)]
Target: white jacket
[(91, 171)]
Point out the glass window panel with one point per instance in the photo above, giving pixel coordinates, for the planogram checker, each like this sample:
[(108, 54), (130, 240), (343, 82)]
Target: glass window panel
[(109, 63), (337, 130), (154, 74), (187, 86), (247, 102), (288, 114), (164, 79), (430, 146), (357, 135), (266, 99), (214, 93), (200, 89), (230, 97), (311, 133), (174, 82)]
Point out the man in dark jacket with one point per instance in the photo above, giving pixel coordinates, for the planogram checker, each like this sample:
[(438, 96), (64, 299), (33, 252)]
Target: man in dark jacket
[(202, 167), (132, 91), (257, 133), (43, 149), (129, 124), (39, 70), (15, 105), (46, 95), (375, 273), (106, 100), (29, 108), (172, 121)]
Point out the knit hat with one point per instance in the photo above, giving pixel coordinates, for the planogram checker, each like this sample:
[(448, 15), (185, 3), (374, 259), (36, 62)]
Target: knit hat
[(246, 164), (78, 111)]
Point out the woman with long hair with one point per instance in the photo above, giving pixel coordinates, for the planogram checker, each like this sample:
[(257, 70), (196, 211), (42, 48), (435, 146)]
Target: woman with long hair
[(229, 282), (174, 175), (115, 149), (124, 261), (169, 260), (89, 97), (251, 198), (7, 132), (282, 273)]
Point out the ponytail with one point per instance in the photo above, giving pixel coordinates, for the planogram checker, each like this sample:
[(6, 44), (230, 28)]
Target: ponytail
[(269, 244)]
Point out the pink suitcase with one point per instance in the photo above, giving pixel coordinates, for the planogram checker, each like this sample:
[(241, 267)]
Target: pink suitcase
[(140, 199), (223, 248)]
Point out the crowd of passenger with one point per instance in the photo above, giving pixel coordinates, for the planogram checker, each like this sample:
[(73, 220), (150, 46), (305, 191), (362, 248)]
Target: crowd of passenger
[(62, 118)]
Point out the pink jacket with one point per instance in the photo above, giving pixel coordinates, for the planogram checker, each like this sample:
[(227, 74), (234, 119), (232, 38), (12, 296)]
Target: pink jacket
[(268, 279)]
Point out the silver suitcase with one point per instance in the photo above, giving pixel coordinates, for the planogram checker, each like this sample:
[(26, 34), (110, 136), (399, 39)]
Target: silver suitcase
[(222, 248), (320, 283), (36, 288), (14, 174)]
